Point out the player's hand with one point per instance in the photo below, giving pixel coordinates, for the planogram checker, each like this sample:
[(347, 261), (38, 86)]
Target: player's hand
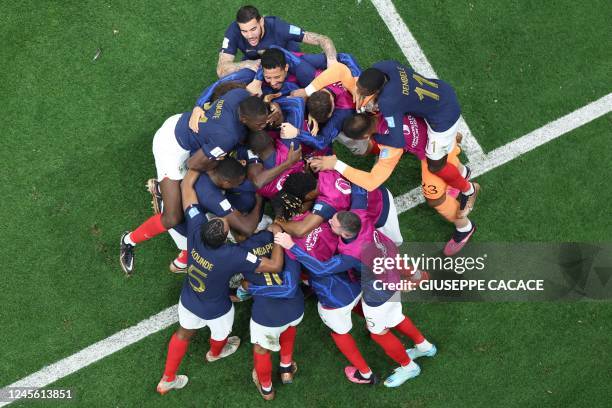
[(270, 97), (313, 125), (275, 228), (295, 155), (252, 64), (300, 93), (276, 115), (283, 239), (194, 119), (254, 87), (320, 163), (288, 131)]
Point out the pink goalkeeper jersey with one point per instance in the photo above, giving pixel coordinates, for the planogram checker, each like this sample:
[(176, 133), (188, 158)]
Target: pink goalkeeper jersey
[(273, 187), (415, 134), (320, 243)]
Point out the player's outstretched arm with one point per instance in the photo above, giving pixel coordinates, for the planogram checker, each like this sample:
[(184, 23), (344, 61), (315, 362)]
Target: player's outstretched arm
[(226, 64), (200, 162), (326, 44), (246, 224), (260, 177), (274, 264), (300, 229), (188, 193)]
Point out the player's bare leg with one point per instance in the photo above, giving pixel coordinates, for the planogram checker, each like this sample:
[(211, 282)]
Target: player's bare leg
[(447, 207), (179, 342), (170, 217), (262, 373), (456, 178)]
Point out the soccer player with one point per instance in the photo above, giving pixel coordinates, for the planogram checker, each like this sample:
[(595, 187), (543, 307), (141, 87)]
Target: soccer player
[(204, 299), (398, 90), (337, 293), (372, 130), (359, 244), (252, 34), (273, 157), (281, 72), (332, 193), (224, 125), (278, 308)]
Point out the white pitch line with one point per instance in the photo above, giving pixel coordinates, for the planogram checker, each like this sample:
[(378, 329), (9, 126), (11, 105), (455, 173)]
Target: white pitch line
[(417, 59), (522, 145), (97, 351), (167, 317)]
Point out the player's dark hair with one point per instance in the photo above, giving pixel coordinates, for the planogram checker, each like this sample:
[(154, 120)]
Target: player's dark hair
[(230, 169), (349, 222), (356, 125), (371, 80), (300, 184), (285, 205), (258, 141), (273, 58), (213, 233), (252, 107), (224, 88), (319, 106), (246, 14)]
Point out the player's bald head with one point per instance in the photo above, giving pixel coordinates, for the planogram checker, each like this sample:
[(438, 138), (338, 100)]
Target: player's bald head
[(253, 113), (370, 81), (358, 125), (258, 141)]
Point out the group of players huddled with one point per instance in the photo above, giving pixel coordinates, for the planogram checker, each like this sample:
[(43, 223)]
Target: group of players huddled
[(265, 132)]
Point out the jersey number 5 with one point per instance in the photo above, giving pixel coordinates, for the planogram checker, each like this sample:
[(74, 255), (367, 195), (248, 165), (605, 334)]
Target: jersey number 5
[(196, 279)]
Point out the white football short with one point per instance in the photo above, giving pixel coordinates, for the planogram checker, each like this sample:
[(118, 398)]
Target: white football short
[(391, 228), (339, 320), (269, 337), (220, 327), (385, 316), (439, 144), (170, 157)]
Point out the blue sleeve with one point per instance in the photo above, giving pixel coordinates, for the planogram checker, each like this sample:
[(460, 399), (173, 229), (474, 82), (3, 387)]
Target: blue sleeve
[(230, 40), (194, 217), (395, 122), (351, 62), (244, 76), (293, 109), (319, 61), (359, 197), (211, 198), (336, 264), (285, 290), (324, 210), (287, 32), (259, 74)]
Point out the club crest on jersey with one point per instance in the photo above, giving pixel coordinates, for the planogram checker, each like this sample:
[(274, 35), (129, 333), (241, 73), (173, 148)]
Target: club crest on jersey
[(343, 186)]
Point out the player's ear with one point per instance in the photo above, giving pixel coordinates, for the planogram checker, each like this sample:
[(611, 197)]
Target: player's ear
[(286, 67)]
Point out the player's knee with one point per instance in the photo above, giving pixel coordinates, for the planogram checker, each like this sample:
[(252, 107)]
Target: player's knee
[(171, 219), (258, 349), (433, 203), (435, 166), (184, 334), (380, 333)]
